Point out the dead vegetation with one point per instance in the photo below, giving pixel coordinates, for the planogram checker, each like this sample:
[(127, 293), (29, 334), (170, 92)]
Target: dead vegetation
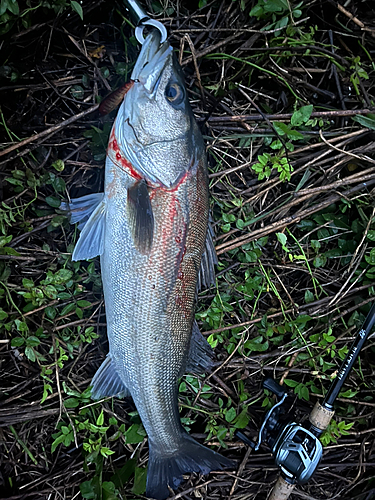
[(293, 207)]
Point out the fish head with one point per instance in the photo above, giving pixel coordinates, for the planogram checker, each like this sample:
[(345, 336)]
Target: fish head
[(155, 127)]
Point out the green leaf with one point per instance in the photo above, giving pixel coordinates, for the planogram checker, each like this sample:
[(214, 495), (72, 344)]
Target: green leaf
[(122, 68), (3, 314), (106, 451), (4, 240), (230, 415), (139, 481), (282, 238), (109, 490), (59, 184), (77, 92), (122, 476), (58, 165), (17, 341), (53, 201), (370, 259), (56, 442), (32, 341), (77, 7), (366, 121), (242, 420), (371, 235), (21, 325), (83, 303), (14, 8), (71, 403), (301, 115), (309, 297), (320, 261), (68, 309), (30, 354), (27, 283), (50, 292), (135, 434), (290, 383), (65, 274), (100, 419)]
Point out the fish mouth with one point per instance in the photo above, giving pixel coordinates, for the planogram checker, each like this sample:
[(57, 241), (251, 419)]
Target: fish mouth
[(151, 62)]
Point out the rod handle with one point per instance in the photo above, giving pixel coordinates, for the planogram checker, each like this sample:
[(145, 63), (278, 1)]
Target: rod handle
[(320, 417), (282, 490)]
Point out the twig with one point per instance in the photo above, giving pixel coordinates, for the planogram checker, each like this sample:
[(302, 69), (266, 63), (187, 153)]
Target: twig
[(207, 50), (51, 130), (240, 470), (357, 157), (287, 116), (287, 221), (190, 490)]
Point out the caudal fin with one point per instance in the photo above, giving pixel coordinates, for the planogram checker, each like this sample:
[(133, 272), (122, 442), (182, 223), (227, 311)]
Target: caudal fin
[(167, 469)]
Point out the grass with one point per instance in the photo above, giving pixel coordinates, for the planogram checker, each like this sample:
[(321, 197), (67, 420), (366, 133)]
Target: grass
[(292, 201)]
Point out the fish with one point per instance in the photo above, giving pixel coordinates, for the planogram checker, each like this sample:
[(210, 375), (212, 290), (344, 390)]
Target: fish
[(150, 228)]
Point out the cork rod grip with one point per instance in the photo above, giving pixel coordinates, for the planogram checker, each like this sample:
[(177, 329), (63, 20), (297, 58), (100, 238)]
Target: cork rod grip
[(320, 417), (281, 490)]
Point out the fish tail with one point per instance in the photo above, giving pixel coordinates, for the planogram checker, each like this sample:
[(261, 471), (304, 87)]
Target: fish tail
[(167, 469)]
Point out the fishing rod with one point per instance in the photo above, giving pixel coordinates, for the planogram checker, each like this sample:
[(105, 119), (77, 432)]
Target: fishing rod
[(296, 447)]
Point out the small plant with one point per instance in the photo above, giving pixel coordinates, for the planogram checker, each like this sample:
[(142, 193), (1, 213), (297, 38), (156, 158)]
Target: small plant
[(267, 163), (334, 431), (279, 12), (13, 11), (358, 73)]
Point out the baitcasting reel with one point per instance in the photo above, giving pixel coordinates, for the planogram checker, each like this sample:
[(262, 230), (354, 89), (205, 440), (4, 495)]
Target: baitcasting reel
[(295, 447)]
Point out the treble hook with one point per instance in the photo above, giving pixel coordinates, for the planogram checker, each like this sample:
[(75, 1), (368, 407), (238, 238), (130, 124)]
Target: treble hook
[(142, 19)]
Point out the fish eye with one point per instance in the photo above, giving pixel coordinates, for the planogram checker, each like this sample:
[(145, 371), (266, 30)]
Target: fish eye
[(174, 93)]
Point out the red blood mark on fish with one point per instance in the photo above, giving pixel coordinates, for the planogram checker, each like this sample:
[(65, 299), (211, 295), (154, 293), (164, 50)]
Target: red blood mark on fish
[(180, 275), (114, 152)]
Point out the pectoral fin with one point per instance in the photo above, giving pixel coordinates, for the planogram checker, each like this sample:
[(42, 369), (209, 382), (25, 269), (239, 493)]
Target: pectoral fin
[(91, 240), (80, 209), (141, 217), (89, 211)]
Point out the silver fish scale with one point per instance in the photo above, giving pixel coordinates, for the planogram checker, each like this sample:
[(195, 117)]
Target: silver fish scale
[(150, 299)]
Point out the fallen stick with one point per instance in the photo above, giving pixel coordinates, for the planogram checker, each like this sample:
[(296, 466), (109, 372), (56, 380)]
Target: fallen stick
[(48, 131), (287, 116), (292, 219)]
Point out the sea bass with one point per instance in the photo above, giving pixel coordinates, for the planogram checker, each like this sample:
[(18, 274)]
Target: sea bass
[(150, 228)]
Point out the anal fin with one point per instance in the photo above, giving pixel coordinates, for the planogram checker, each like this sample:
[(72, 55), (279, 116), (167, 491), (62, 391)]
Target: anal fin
[(201, 355), (107, 383)]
